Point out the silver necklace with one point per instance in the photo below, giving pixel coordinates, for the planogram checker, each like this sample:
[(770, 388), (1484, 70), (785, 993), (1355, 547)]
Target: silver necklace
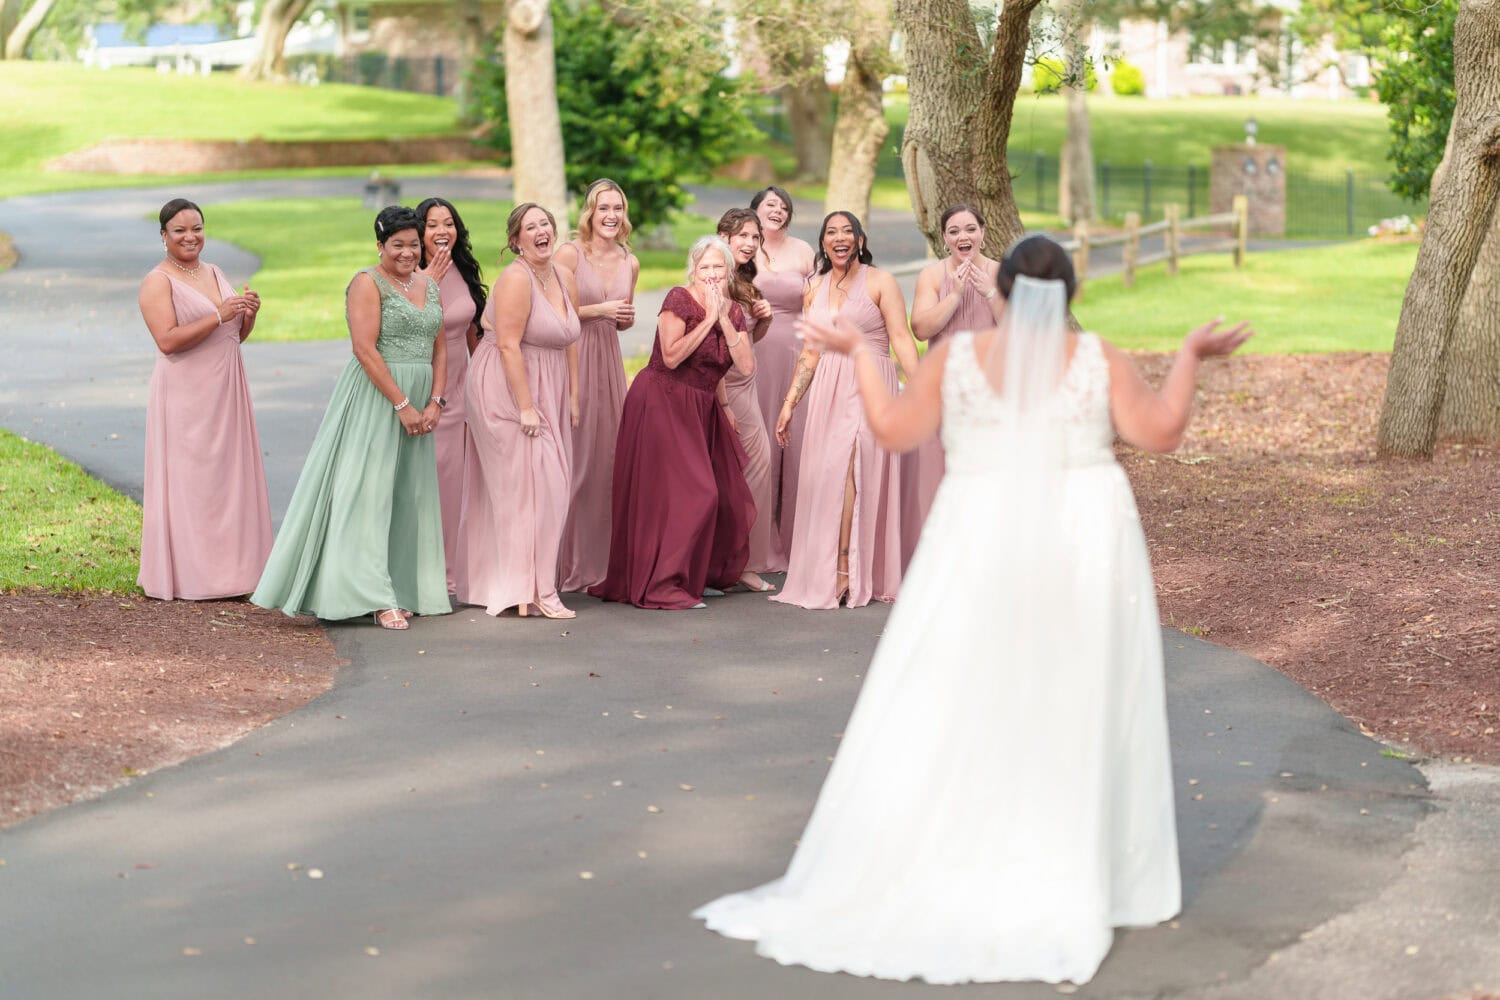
[(542, 279), (190, 272), (405, 285)]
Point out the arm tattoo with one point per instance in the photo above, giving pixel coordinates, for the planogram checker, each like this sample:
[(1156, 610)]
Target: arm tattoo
[(800, 381)]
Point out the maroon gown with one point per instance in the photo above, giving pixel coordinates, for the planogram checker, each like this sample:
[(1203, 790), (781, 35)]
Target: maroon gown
[(681, 509)]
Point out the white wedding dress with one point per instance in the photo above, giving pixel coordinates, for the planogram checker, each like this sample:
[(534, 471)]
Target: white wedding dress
[(1002, 798)]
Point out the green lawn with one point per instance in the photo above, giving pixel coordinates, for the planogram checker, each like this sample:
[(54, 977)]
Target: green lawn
[(48, 109), (302, 280), (60, 529), (1341, 298)]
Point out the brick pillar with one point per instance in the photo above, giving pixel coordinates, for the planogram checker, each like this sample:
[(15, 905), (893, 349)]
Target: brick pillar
[(1259, 173)]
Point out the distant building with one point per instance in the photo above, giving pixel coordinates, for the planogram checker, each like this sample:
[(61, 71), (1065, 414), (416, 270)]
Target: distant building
[(195, 48)]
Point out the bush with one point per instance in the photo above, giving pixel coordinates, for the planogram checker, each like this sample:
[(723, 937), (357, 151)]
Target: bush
[(1048, 76), (631, 111), (1127, 79)]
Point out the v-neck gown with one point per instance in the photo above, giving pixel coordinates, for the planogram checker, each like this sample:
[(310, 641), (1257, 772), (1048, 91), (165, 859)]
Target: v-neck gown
[(364, 530), (205, 518), (451, 439), (516, 487)]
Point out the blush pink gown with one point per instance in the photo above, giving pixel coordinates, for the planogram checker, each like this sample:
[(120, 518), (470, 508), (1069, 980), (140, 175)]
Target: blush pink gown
[(584, 557), (682, 509), (451, 439), (836, 430), (922, 469), (766, 553), (775, 362), (205, 516), (515, 486)]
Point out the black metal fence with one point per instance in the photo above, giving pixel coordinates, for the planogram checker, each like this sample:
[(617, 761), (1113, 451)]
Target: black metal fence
[(437, 75)]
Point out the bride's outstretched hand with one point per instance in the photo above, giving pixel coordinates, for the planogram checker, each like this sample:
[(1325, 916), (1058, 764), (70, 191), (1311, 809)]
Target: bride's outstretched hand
[(1210, 341), (839, 336)]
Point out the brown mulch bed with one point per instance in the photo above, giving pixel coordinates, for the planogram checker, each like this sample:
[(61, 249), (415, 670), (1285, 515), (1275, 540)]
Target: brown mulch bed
[(96, 689), (1275, 531)]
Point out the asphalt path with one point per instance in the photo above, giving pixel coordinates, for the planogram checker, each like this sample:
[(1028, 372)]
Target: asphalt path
[(530, 809)]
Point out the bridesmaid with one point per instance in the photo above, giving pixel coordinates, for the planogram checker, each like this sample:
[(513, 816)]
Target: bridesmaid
[(682, 509), (523, 406), (606, 272), (954, 294), (364, 531), (848, 543), (206, 522), (448, 259), (738, 394), (782, 270)]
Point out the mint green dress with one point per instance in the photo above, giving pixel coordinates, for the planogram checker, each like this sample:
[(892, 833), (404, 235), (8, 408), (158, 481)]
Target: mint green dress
[(364, 531)]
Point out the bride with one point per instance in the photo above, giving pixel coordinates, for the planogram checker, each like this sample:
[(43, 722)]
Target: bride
[(1002, 798)]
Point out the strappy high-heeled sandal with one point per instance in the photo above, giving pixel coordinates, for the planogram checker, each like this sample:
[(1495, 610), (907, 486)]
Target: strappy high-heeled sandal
[(393, 619)]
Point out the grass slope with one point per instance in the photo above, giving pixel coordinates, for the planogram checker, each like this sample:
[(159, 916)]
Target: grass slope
[(61, 529), (302, 281), (48, 109)]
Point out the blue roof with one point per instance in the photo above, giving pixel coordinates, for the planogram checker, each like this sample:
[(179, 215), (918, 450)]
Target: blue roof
[(112, 36)]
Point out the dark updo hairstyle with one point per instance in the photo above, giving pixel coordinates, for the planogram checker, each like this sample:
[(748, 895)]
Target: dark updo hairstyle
[(394, 219), (821, 263), (461, 252), (786, 200), (953, 210), (171, 208), (513, 224), (1038, 257), (742, 279)]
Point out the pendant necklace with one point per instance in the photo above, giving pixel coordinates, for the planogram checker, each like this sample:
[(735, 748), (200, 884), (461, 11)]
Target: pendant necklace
[(191, 272)]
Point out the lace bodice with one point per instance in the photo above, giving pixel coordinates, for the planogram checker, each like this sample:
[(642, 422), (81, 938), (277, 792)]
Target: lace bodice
[(971, 408), (406, 332), (707, 364)]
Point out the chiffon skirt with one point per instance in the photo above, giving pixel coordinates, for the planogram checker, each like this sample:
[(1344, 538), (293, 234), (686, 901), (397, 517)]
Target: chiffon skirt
[(766, 553), (364, 530), (583, 557)]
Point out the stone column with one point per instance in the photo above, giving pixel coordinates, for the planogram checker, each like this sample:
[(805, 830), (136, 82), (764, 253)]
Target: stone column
[(1259, 173)]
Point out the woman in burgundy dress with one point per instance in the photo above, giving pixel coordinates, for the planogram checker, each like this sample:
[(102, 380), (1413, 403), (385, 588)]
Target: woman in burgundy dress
[(681, 508)]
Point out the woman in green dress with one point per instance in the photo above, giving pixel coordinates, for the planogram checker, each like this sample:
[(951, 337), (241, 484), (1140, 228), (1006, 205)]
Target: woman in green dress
[(364, 531)]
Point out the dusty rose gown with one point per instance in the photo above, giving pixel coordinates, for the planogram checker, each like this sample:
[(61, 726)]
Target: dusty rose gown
[(682, 509), (775, 363), (206, 520), (836, 430), (584, 556), (451, 439), (922, 469), (516, 487), (766, 553)]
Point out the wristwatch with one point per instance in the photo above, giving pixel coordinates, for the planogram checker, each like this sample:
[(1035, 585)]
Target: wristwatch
[(441, 401)]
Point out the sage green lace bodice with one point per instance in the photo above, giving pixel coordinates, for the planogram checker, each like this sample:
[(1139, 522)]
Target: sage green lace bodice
[(406, 332)]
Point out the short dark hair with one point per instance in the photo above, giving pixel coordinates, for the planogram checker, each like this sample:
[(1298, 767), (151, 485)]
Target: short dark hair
[(394, 219), (962, 206), (821, 263), (786, 200), (1039, 257), (174, 206)]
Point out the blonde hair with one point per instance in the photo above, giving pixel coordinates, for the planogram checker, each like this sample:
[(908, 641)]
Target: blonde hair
[(591, 201), (703, 246)]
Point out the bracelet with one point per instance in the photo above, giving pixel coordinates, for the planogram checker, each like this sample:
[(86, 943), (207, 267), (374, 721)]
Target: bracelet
[(403, 404), (441, 401), (989, 294), (733, 345)]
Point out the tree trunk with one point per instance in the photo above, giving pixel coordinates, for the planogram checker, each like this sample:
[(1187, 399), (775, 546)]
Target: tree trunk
[(1079, 149), (531, 101), (809, 112), (860, 128), (474, 41), (9, 11), (277, 19), (962, 101), (20, 36), (1471, 388), (1459, 219)]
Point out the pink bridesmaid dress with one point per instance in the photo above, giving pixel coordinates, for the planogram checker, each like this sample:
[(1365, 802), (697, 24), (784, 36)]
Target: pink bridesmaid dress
[(766, 553), (451, 439), (775, 363), (836, 433), (584, 557), (206, 519), (922, 469), (515, 486)]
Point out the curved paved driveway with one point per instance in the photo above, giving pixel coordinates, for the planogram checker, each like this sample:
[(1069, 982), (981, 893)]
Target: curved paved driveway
[(459, 778)]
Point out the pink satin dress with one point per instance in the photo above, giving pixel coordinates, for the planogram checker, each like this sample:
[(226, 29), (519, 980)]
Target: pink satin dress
[(766, 553), (775, 363), (205, 516), (584, 557), (516, 487), (451, 439), (836, 434), (922, 469)]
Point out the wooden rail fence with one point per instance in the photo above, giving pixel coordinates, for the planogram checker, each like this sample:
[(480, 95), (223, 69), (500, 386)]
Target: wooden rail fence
[(1172, 227)]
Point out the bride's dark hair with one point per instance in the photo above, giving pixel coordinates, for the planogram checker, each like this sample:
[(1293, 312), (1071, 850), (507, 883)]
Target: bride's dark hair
[(462, 253), (1038, 257)]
